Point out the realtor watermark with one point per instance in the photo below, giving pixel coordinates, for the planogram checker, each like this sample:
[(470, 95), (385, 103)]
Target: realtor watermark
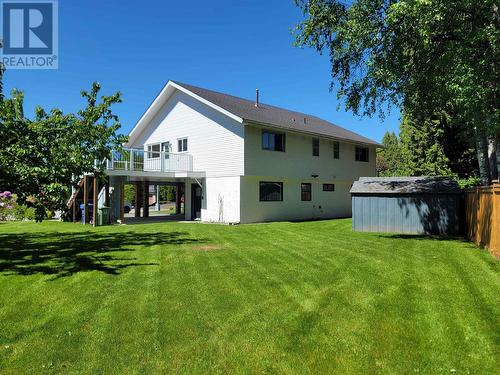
[(29, 34)]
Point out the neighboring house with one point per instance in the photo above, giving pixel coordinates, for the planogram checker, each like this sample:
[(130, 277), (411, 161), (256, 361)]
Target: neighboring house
[(416, 205), (241, 161)]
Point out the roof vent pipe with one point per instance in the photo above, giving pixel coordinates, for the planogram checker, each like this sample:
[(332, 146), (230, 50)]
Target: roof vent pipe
[(257, 97)]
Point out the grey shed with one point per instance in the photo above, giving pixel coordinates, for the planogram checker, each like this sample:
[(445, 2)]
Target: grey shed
[(418, 205)]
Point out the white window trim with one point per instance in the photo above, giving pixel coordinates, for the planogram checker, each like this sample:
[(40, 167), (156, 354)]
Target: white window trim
[(148, 152), (184, 151)]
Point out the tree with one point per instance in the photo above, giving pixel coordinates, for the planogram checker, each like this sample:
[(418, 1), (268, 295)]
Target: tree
[(167, 193), (41, 158), (389, 158), (427, 57), (129, 190), (422, 153)]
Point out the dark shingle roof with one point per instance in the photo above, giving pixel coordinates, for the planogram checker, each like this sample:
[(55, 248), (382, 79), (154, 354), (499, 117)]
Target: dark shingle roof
[(405, 185), (277, 117)]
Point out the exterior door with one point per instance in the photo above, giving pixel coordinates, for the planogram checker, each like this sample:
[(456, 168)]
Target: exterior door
[(195, 201)]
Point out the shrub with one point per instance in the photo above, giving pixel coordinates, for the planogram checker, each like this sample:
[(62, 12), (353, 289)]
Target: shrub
[(7, 205), (22, 212)]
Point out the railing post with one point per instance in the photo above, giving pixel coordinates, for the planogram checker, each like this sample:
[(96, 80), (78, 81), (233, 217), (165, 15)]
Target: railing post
[(131, 160), (162, 161)]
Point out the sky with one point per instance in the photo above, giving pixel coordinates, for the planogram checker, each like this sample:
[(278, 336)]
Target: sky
[(229, 46)]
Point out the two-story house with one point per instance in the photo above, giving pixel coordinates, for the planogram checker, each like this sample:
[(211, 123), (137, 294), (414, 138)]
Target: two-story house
[(242, 161)]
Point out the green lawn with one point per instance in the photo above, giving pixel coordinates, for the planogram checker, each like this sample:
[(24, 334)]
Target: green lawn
[(303, 298)]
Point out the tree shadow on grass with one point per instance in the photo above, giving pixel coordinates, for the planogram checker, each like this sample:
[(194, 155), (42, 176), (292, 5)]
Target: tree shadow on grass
[(64, 254)]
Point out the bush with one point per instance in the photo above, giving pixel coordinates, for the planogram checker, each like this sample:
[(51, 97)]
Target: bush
[(11, 210), (7, 205), (470, 182), (22, 212)]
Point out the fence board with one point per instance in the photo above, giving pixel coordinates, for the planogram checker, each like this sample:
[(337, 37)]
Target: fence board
[(482, 210)]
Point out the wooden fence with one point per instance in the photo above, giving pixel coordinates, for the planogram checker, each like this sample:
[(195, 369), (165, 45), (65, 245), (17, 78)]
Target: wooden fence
[(482, 211)]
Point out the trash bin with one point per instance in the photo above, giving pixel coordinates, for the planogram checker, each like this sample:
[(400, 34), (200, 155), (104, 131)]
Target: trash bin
[(90, 208), (103, 216)]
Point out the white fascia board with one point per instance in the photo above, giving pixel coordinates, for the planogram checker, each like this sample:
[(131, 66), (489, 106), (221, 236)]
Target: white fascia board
[(162, 97)]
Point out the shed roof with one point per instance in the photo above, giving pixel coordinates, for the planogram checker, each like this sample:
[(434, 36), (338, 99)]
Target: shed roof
[(405, 185)]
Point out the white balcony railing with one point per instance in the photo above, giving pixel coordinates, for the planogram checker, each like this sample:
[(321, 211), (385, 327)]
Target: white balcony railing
[(129, 159)]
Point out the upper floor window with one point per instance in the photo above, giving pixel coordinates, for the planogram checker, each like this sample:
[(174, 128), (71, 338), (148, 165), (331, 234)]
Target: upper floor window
[(273, 141), (362, 153), (315, 146), (336, 150), (154, 151), (305, 192), (182, 145), (328, 187), (270, 191)]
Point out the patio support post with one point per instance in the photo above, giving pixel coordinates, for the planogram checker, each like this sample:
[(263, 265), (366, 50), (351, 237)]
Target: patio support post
[(145, 196), (106, 193), (177, 198), (94, 201), (137, 199), (157, 190), (85, 200), (122, 202)]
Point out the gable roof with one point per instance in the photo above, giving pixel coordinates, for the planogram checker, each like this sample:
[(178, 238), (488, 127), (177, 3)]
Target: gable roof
[(245, 111), (405, 185)]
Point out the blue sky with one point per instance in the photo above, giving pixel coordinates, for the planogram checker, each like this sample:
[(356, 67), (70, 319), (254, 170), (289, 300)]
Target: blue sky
[(229, 46)]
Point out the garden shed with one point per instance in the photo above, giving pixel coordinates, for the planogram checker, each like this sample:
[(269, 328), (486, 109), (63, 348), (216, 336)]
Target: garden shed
[(418, 205)]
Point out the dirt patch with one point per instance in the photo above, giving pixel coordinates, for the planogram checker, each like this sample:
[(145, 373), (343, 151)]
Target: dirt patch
[(209, 247)]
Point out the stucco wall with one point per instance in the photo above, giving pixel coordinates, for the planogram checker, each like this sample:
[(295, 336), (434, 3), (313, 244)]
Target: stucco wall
[(298, 162), (221, 200), (323, 204)]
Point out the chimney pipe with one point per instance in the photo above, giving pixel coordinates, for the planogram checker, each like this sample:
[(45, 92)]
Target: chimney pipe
[(257, 97)]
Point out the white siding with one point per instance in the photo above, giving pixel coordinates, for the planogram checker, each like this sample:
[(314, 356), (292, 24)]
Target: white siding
[(214, 140)]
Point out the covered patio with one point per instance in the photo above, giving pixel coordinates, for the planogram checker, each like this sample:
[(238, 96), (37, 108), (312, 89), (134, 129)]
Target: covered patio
[(146, 171)]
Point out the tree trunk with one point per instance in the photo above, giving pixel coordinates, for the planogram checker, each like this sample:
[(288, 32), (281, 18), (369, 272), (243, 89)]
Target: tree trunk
[(483, 160), (492, 157), (497, 152)]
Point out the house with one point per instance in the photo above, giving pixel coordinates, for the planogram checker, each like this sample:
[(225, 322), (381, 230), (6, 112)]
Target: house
[(417, 205), (240, 161)]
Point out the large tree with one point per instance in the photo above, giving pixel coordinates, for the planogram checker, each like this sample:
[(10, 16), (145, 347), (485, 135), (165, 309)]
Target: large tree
[(42, 158), (389, 157), (422, 153), (427, 57)]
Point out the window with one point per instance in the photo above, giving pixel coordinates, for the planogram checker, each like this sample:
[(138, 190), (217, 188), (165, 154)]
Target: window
[(182, 145), (336, 150), (166, 147), (305, 192), (362, 153), (328, 187), (315, 144), (273, 141), (154, 151), (270, 191)]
